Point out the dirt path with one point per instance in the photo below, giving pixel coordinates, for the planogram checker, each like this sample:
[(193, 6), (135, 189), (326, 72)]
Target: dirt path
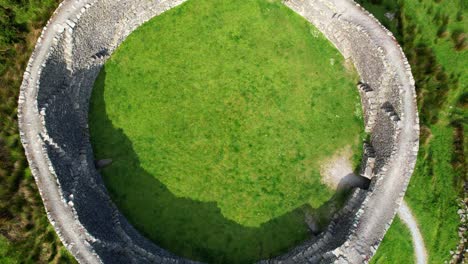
[(418, 243)]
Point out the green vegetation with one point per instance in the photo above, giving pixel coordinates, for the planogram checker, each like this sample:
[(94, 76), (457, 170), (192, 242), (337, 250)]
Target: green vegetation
[(396, 247), (433, 38), (7, 254), (429, 39), (25, 233), (218, 115), (436, 210)]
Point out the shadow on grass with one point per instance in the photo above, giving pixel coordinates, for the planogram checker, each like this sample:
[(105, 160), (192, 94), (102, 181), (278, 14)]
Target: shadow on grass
[(188, 228)]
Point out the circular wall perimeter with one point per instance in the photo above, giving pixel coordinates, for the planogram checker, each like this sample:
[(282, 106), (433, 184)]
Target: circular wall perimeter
[(53, 107)]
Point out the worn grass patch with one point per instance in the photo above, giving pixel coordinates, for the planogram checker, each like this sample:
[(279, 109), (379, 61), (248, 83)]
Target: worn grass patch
[(217, 115)]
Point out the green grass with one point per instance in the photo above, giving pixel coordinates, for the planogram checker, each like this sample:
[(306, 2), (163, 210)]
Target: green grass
[(217, 115), (396, 247), (7, 254), (425, 28), (436, 209), (16, 20)]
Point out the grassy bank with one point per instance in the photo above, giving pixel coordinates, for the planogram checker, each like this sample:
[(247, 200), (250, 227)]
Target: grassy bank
[(433, 38), (223, 112), (25, 233)]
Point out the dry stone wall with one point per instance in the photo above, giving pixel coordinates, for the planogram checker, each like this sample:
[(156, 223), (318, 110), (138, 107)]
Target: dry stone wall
[(53, 108), (391, 120)]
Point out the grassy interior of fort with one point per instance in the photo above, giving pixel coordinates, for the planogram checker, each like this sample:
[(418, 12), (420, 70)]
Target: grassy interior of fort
[(218, 116), (433, 37)]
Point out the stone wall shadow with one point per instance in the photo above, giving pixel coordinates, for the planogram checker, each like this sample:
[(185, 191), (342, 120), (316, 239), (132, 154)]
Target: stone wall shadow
[(188, 228)]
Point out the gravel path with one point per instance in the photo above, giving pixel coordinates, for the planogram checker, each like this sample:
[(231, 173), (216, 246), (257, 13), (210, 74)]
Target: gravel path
[(418, 243)]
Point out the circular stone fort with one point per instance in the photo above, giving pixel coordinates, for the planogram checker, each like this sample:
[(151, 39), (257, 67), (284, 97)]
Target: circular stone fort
[(53, 118)]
